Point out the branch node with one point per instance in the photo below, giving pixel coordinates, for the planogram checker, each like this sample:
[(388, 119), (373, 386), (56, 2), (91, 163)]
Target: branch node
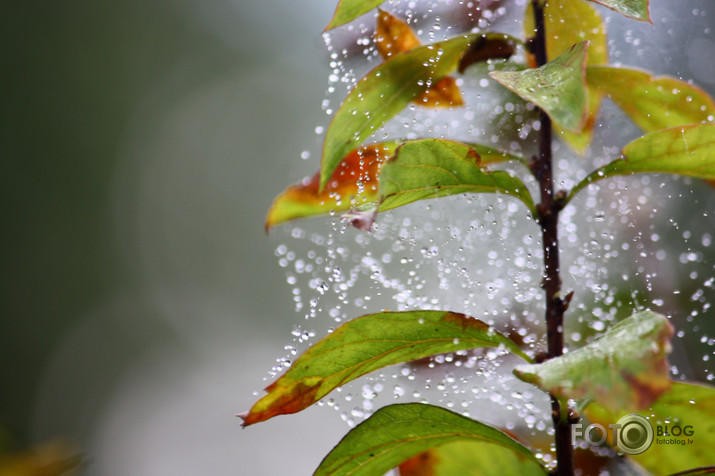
[(543, 211), (541, 356), (533, 165), (573, 417), (562, 303), (560, 199), (567, 301)]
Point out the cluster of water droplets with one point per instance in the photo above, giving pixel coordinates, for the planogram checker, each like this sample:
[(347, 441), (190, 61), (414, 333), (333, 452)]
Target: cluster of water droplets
[(627, 244)]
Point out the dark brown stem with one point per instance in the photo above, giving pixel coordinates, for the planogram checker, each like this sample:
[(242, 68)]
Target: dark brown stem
[(549, 209)]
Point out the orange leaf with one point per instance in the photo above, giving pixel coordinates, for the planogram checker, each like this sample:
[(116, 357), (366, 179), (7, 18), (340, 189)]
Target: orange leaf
[(393, 35), (422, 464), (353, 183), (300, 396), (444, 93)]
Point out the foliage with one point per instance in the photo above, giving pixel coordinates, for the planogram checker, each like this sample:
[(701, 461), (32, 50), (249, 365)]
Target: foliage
[(633, 376), (398, 432), (565, 77), (674, 406), (558, 87), (370, 343)]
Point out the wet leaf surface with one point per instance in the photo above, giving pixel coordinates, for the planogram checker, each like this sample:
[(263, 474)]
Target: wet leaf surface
[(652, 102), (394, 36), (636, 9), (558, 87), (383, 93), (687, 150), (443, 93), (469, 458), (398, 432), (353, 183), (369, 343), (570, 22), (431, 168), (353, 187), (685, 404), (624, 369), (348, 10)]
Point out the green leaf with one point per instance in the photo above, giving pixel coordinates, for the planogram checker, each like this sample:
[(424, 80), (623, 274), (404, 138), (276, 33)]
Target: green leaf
[(397, 432), (470, 458), (384, 92), (431, 168), (652, 102), (636, 9), (369, 343), (623, 369), (685, 404), (558, 87), (569, 22), (348, 10), (353, 184), (687, 150)]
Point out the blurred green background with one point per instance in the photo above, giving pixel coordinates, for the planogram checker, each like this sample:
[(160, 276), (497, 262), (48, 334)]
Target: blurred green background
[(142, 143)]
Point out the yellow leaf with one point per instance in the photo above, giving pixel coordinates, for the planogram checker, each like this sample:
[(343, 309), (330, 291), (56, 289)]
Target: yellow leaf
[(393, 35)]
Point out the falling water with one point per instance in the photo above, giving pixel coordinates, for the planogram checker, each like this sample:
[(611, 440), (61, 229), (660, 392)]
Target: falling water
[(627, 244)]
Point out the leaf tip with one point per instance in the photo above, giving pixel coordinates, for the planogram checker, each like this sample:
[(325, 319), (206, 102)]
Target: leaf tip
[(639, 10), (334, 22), (243, 416), (520, 372), (644, 15), (275, 216), (268, 224), (361, 219), (330, 25), (322, 182)]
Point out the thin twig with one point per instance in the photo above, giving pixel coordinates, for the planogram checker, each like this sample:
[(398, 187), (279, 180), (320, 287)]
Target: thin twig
[(549, 209)]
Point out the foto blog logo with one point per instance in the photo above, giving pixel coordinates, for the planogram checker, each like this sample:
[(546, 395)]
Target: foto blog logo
[(632, 434)]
